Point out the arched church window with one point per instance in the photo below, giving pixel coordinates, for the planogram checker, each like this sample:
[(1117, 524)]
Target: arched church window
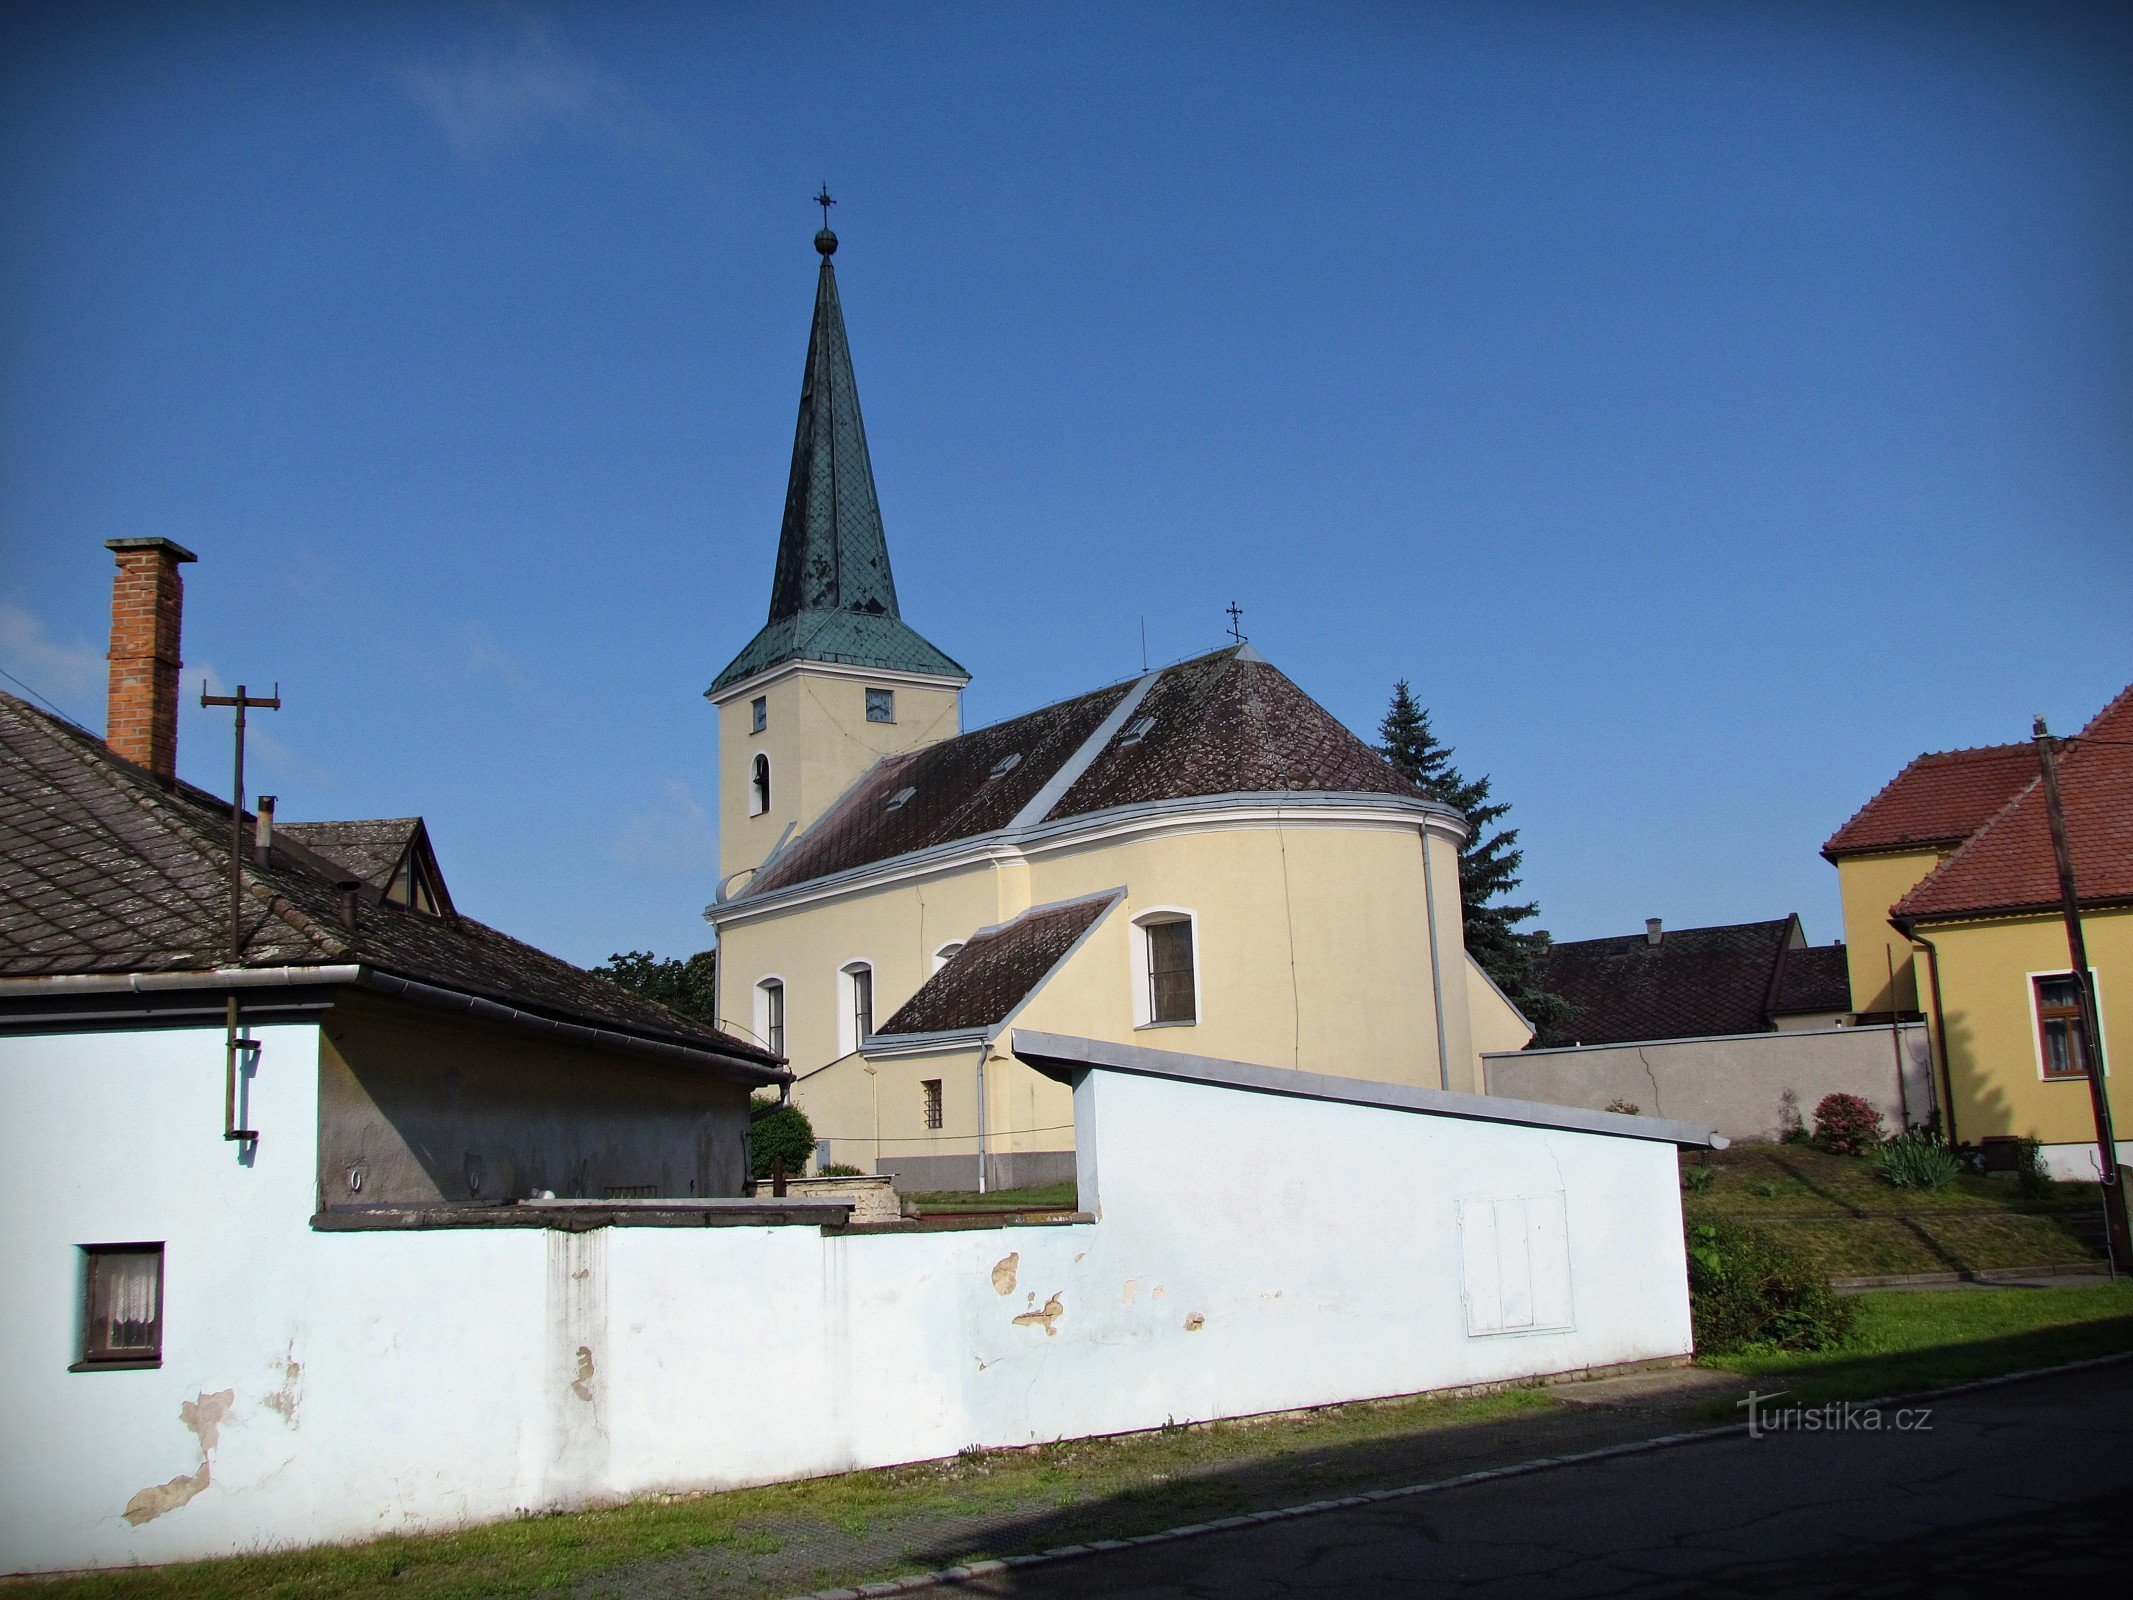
[(759, 786)]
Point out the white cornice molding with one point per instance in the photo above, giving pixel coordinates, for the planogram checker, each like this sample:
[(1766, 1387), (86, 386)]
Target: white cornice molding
[(886, 677), (1197, 814)]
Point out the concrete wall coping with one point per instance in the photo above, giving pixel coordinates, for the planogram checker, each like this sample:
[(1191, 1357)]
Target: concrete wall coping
[(1063, 1056), (1696, 1038)]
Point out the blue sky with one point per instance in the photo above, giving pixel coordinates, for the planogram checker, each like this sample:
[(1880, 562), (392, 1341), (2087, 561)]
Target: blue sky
[(1706, 407)]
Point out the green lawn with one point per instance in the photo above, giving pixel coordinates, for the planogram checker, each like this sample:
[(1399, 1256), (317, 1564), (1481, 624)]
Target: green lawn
[(1045, 1197), (1837, 1211), (1907, 1341)]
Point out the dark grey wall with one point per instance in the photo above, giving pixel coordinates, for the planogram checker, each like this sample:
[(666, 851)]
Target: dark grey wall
[(427, 1107)]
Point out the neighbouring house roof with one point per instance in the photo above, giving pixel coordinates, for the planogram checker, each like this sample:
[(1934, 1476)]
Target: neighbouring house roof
[(1225, 723), (1814, 978), (998, 968), (391, 854), (832, 596), (106, 870), (1939, 799), (2007, 865), (1694, 983)]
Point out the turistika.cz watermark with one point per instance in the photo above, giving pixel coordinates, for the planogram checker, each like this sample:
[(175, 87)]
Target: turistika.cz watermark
[(1834, 1416)]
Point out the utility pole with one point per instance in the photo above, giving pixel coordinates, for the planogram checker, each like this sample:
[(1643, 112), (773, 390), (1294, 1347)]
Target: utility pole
[(2107, 1172), (243, 703)]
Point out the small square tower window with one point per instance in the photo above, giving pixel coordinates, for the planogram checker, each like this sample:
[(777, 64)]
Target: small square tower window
[(881, 705), (759, 713), (931, 1088)]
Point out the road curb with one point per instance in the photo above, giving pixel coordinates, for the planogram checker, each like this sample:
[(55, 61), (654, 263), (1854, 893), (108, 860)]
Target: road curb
[(950, 1577)]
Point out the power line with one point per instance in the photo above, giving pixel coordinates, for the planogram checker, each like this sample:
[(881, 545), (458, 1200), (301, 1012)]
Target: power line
[(42, 698)]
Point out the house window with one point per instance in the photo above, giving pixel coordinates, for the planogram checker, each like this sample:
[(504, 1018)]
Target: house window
[(1172, 995), (770, 1015), (932, 1090), (856, 1015), (881, 705), (945, 954), (759, 713), (2059, 1037), (122, 1306), (759, 786)]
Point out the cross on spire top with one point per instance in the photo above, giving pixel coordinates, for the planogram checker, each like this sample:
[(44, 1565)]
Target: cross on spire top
[(1236, 621), (825, 202)]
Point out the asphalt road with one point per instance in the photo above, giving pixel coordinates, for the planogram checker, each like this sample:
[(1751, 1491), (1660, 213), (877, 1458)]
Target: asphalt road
[(2016, 1490)]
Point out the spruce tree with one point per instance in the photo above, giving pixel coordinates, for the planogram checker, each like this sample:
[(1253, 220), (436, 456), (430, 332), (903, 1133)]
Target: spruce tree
[(1488, 862)]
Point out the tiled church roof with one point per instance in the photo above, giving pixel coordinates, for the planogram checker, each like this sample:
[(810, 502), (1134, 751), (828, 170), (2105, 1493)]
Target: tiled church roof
[(998, 968)]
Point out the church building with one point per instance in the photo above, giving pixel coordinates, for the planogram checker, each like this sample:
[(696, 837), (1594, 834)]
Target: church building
[(1200, 860)]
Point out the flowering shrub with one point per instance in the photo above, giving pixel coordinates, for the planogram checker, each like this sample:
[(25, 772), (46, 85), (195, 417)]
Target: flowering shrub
[(1846, 1125), (1748, 1291)]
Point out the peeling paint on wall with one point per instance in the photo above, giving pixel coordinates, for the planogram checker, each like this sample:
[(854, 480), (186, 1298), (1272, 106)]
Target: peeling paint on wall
[(582, 1384), (204, 1416), (1194, 1322), (1054, 1309), (284, 1400), (1133, 1287), (1003, 1272)]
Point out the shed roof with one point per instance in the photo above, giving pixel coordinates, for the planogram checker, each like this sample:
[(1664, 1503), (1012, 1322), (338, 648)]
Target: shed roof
[(998, 968), (104, 869)]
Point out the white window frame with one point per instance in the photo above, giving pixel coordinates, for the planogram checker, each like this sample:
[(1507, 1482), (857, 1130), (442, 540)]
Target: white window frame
[(947, 953), (1143, 1010), (759, 713), (2036, 1024), (759, 787), (763, 987), (848, 1034)]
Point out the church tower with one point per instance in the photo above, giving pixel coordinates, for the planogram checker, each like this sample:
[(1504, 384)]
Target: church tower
[(836, 679)]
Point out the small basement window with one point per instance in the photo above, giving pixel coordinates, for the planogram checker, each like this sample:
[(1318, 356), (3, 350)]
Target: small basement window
[(881, 705), (122, 1306)]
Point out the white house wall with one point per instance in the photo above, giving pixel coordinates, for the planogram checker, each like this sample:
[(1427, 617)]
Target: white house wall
[(380, 1382)]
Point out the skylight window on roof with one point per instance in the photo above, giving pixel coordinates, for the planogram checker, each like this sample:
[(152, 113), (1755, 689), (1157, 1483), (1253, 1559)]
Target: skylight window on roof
[(1006, 764), (1136, 730), (901, 798)]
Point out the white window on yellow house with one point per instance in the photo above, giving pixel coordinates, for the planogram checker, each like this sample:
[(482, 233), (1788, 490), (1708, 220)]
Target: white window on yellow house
[(1168, 990), (770, 1015), (931, 1088), (2060, 1043), (855, 1011)]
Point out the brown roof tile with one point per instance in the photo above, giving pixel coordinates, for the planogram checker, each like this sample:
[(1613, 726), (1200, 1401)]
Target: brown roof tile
[(997, 969), (1226, 723), (1939, 799), (104, 869), (2007, 864)]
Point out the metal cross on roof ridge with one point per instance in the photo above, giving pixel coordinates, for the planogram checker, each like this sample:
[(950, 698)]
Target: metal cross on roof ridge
[(1236, 621)]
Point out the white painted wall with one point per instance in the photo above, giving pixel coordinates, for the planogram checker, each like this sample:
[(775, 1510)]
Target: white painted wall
[(382, 1382)]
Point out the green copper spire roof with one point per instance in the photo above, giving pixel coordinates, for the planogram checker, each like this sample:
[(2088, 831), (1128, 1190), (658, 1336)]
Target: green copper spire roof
[(833, 598)]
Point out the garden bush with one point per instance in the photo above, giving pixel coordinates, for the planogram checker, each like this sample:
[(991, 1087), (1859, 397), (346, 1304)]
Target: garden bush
[(2030, 1173), (837, 1169), (1749, 1292), (1846, 1125), (778, 1134), (1917, 1161)]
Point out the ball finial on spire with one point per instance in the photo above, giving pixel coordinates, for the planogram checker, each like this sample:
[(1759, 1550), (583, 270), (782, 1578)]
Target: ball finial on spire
[(825, 241)]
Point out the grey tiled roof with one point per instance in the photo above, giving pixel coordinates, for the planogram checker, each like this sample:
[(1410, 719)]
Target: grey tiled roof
[(1226, 723), (370, 848), (1816, 978), (997, 969), (1694, 982), (103, 869)]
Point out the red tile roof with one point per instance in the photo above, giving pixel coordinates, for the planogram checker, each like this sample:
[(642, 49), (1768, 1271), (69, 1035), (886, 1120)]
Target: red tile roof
[(2007, 864), (1939, 799)]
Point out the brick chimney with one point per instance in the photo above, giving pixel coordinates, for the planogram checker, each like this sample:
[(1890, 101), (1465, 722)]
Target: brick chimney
[(147, 606)]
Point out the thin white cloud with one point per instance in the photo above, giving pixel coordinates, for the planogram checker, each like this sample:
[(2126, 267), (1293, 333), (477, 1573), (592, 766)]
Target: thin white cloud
[(675, 836), (509, 91), (70, 672)]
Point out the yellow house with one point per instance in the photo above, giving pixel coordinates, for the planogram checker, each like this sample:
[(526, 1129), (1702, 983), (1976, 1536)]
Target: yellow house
[(1200, 858), (1951, 909)]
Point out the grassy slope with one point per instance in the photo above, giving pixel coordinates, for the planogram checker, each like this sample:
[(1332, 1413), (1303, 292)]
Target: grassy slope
[(1836, 1211)]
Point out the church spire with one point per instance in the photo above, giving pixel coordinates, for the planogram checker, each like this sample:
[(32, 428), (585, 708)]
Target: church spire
[(832, 597)]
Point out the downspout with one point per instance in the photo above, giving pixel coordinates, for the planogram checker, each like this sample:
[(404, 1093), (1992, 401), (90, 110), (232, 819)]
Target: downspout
[(1937, 1030), (1436, 964), (984, 1050)]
